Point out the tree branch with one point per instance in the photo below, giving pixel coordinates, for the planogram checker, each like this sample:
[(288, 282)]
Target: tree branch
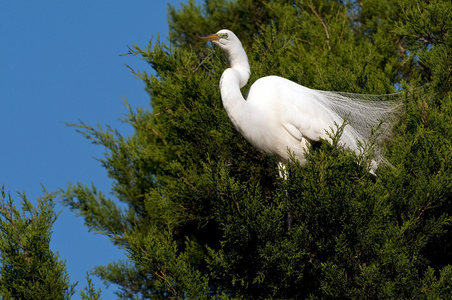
[(323, 24)]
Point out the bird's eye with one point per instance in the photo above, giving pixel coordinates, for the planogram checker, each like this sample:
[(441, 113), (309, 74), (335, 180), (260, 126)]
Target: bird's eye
[(224, 36)]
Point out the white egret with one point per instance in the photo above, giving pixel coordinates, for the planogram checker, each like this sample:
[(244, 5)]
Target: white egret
[(279, 114)]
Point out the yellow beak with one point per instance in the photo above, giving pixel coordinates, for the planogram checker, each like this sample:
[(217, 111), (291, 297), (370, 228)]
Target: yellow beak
[(210, 37)]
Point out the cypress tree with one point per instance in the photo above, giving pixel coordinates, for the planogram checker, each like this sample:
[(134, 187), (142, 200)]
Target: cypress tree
[(206, 212), (29, 269)]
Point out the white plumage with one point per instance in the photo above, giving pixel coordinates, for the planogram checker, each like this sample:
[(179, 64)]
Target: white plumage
[(279, 114)]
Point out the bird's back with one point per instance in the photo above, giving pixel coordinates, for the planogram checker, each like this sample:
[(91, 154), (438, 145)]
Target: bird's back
[(307, 114)]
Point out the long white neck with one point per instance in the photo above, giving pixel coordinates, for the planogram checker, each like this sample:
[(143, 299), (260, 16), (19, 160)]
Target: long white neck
[(239, 62), (232, 80)]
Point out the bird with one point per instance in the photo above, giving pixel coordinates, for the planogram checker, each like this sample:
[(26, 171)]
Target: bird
[(282, 117)]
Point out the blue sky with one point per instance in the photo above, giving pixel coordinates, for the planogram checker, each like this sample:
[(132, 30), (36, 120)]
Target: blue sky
[(60, 62)]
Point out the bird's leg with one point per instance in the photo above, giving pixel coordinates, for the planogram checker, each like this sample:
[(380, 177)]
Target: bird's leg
[(284, 175)]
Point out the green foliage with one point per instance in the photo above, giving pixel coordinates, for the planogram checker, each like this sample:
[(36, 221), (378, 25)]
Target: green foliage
[(91, 292), (29, 269), (207, 216)]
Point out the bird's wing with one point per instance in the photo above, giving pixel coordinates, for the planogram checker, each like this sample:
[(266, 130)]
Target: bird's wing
[(296, 107), (302, 116)]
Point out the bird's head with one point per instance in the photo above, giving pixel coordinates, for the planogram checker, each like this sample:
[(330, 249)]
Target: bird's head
[(231, 44), (224, 38)]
